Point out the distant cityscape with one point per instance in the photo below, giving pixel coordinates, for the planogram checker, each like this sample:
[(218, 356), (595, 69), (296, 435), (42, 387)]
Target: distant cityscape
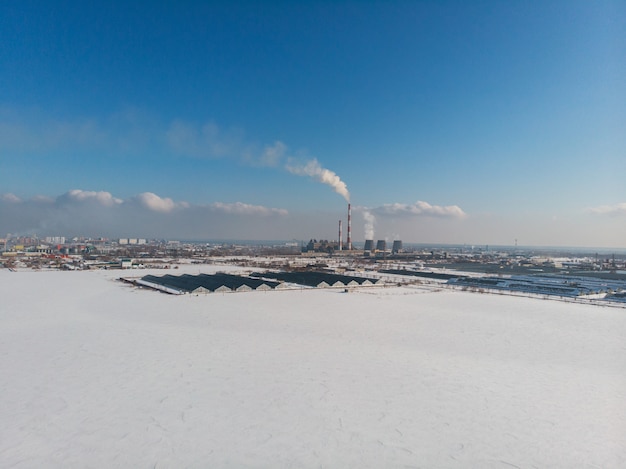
[(96, 252)]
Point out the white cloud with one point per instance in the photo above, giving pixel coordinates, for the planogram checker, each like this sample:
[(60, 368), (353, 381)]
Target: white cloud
[(614, 210), (10, 198), (44, 199), (420, 208), (99, 213), (153, 202), (101, 197), (247, 209)]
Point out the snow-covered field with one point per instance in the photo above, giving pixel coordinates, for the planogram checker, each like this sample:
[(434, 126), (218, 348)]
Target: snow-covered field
[(94, 373)]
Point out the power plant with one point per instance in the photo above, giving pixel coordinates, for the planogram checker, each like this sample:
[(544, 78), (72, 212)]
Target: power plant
[(381, 244), (328, 246)]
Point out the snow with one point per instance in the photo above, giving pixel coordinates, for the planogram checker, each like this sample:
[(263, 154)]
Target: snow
[(95, 373)]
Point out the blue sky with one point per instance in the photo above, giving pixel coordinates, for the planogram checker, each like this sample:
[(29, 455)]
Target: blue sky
[(452, 122)]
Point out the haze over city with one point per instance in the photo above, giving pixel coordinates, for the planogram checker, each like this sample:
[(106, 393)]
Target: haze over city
[(441, 122)]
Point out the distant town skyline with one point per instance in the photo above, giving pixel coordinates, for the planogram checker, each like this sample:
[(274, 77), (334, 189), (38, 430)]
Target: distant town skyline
[(441, 122)]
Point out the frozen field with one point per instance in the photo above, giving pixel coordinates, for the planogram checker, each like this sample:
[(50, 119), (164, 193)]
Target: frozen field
[(94, 373)]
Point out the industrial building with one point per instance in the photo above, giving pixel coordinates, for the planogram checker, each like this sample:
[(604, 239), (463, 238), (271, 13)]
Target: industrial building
[(222, 283), (556, 285), (203, 283), (318, 279)]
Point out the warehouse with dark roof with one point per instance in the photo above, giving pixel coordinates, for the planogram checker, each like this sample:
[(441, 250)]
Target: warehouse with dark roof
[(318, 279), (221, 282), (204, 283)]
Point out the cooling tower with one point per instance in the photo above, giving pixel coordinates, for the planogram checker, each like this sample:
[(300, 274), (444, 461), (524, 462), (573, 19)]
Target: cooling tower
[(397, 247)]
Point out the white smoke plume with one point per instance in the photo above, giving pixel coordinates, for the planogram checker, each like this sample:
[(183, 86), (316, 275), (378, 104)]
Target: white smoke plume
[(272, 154), (370, 221), (323, 175)]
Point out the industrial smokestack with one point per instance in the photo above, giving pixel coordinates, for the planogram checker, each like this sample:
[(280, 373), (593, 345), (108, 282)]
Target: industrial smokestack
[(349, 227), (340, 236)]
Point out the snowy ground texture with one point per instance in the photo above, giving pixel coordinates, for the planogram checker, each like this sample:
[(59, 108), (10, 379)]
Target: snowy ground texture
[(94, 373)]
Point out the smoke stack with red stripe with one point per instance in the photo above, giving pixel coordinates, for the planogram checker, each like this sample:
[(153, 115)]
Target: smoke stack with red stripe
[(340, 235), (349, 227)]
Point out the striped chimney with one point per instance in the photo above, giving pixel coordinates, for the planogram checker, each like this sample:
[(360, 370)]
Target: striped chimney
[(349, 228), (340, 235)]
